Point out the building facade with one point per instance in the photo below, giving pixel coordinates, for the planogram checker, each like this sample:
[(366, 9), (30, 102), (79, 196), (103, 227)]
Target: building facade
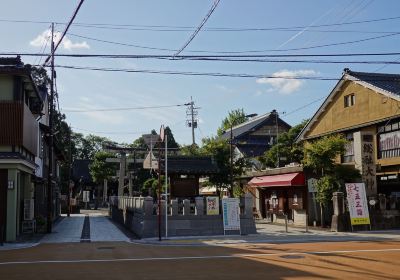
[(364, 107), (22, 151)]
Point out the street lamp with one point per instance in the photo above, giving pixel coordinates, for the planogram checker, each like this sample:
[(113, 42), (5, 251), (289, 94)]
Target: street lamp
[(231, 146)]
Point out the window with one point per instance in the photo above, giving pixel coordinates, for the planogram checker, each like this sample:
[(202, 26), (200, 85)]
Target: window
[(349, 100), (389, 140), (348, 155)]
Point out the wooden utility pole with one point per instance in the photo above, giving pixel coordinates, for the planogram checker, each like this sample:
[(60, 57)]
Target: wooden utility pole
[(50, 166)]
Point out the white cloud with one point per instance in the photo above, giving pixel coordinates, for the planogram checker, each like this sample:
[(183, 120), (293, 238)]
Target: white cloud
[(283, 82), (67, 44)]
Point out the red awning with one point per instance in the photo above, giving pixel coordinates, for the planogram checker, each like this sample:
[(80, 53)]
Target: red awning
[(282, 180)]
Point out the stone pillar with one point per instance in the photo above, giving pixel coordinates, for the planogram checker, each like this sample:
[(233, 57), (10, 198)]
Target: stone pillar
[(174, 207), (338, 203), (148, 206), (248, 205), (105, 190), (186, 207), (364, 157), (338, 218), (382, 201), (121, 178), (199, 206)]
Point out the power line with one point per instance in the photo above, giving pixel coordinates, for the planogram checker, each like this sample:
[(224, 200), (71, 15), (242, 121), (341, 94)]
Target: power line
[(216, 2), (387, 34), (109, 132), (186, 28), (65, 31), (183, 57), (123, 108), (215, 74), (305, 106)]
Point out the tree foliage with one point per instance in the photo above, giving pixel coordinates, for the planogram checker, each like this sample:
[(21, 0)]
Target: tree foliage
[(100, 169), (219, 149), (235, 117), (320, 155), (286, 148)]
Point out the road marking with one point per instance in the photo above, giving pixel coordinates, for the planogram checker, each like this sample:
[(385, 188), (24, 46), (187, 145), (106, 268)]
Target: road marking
[(203, 257)]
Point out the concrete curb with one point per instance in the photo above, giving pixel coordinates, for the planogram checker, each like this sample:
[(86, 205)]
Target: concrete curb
[(17, 246)]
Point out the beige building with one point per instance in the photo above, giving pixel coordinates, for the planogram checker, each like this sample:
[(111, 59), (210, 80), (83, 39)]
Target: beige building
[(365, 107)]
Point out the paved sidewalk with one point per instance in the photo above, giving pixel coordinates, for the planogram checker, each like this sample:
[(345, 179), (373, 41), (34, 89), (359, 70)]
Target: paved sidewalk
[(271, 233), (68, 230), (102, 229)]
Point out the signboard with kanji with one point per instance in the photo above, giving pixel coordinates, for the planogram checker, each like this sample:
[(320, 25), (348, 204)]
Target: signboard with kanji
[(231, 213), (212, 205), (358, 207)]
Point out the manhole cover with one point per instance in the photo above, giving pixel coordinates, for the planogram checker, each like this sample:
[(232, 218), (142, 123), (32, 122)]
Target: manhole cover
[(105, 248), (292, 257)]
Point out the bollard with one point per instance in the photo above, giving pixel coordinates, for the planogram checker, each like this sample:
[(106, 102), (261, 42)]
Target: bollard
[(307, 223), (286, 221)]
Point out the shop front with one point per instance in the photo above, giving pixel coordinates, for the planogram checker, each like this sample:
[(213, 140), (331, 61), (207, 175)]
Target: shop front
[(282, 196)]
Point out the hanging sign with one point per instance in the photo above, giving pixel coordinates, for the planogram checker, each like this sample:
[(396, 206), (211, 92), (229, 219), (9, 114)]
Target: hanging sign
[(358, 207), (231, 213)]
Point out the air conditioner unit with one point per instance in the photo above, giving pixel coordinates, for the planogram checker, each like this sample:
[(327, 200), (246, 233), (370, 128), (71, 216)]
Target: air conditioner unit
[(29, 209)]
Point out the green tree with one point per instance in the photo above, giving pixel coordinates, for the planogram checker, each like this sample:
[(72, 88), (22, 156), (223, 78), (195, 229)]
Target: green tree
[(219, 149), (235, 117), (170, 138), (190, 150), (100, 169), (286, 147), (320, 156)]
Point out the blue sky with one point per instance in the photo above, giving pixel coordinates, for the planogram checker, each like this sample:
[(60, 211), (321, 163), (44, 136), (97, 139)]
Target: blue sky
[(79, 89)]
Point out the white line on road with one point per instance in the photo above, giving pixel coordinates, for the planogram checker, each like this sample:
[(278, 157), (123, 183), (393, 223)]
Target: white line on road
[(202, 257)]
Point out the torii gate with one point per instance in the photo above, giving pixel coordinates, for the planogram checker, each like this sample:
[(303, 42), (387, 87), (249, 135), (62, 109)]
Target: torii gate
[(123, 151)]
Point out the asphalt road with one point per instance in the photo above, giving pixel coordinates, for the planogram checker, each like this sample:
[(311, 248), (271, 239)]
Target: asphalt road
[(121, 260)]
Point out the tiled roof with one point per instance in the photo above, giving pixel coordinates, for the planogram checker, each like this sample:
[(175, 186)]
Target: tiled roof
[(387, 82), (246, 126)]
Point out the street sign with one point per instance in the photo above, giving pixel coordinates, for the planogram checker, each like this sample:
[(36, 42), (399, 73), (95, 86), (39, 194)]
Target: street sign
[(150, 162)]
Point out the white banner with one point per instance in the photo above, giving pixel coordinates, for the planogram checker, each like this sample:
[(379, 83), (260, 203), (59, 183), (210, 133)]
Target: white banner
[(358, 206), (231, 213)]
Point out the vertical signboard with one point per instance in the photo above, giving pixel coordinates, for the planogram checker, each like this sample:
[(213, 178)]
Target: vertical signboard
[(86, 196), (358, 207), (212, 205), (231, 214)]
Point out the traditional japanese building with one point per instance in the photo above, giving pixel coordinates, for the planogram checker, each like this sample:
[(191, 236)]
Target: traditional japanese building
[(254, 137), (365, 108)]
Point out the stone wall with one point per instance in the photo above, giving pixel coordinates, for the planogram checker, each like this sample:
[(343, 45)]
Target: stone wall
[(141, 218)]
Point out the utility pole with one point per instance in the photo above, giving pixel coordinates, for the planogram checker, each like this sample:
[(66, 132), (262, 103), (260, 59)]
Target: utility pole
[(191, 114), (50, 166), (69, 173)]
